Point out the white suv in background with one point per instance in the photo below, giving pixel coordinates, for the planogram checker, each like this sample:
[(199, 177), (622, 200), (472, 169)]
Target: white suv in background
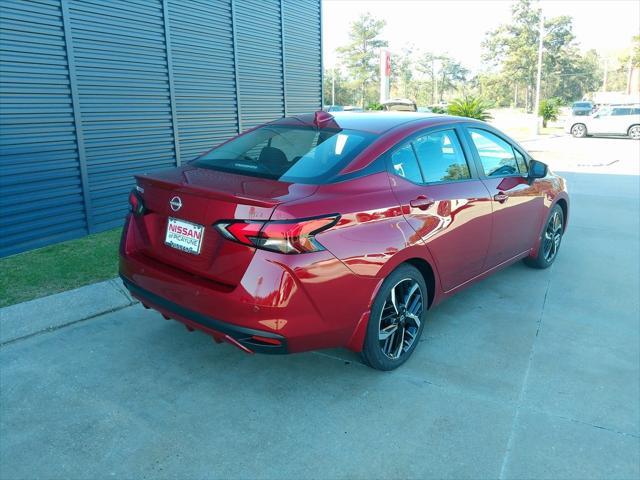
[(613, 120)]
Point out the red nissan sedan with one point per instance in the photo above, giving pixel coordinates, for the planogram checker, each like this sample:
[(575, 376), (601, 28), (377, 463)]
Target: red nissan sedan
[(341, 230)]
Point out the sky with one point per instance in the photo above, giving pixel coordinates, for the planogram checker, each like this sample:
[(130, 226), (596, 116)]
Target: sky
[(457, 27)]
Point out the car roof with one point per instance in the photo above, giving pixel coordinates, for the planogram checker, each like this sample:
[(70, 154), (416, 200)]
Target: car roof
[(377, 122), (381, 121)]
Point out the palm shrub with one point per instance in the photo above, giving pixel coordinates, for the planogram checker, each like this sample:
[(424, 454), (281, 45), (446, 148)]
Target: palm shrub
[(471, 107), (549, 109)]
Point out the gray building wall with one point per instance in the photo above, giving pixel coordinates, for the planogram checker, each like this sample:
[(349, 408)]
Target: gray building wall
[(93, 92)]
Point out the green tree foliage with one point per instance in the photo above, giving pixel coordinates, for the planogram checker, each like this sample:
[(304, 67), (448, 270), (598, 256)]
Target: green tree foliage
[(496, 87), (549, 110), (471, 107), (427, 66), (452, 76), (360, 56), (508, 79), (345, 92), (441, 76), (512, 51), (618, 68), (402, 73), (635, 53)]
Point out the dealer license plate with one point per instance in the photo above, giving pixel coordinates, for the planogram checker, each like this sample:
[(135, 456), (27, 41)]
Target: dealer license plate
[(185, 236)]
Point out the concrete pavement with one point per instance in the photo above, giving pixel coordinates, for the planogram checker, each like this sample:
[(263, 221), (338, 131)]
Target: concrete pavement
[(62, 309), (528, 374)]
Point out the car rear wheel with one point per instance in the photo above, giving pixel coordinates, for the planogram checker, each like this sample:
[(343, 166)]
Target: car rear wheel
[(397, 319), (579, 130), (634, 132), (550, 242)]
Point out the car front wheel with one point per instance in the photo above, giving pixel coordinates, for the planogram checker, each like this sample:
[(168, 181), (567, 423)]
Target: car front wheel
[(579, 130), (634, 132), (397, 319), (550, 242)]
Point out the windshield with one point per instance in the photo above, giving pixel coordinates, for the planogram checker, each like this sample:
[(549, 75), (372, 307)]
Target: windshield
[(296, 154), (582, 104)]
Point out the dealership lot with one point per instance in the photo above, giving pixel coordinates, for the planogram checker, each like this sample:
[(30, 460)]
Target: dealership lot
[(530, 374)]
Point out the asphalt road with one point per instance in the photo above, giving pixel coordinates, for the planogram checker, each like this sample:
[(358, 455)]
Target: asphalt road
[(529, 374)]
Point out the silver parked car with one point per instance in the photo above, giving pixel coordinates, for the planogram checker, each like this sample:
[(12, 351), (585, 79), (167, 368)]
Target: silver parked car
[(612, 120)]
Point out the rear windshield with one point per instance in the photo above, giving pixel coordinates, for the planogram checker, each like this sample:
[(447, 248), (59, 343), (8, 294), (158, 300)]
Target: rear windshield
[(297, 154)]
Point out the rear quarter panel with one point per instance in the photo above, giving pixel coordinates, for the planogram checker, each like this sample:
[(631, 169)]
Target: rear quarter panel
[(371, 239), (372, 229)]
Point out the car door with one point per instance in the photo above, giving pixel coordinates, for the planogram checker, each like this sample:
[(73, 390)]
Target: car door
[(442, 198), (517, 203), (620, 120), (601, 122)]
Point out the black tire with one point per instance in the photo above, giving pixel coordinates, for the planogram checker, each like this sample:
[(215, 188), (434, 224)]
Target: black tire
[(634, 132), (391, 352), (550, 240), (579, 130)]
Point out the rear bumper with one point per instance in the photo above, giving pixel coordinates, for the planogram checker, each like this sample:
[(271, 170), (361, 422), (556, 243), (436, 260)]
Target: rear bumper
[(297, 302), (221, 331)]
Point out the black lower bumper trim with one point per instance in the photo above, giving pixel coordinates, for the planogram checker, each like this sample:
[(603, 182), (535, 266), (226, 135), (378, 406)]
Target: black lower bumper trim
[(240, 334)]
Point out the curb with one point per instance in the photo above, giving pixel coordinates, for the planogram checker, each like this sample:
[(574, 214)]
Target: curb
[(61, 309)]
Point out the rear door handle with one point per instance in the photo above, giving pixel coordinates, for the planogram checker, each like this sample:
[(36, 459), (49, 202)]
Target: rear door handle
[(421, 202), (501, 197)]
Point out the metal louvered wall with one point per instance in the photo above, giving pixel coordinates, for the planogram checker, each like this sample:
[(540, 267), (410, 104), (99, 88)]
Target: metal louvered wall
[(40, 174), (93, 92), (302, 54), (259, 44)]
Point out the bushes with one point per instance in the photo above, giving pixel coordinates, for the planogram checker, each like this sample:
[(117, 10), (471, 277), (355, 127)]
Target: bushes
[(549, 109), (471, 107)]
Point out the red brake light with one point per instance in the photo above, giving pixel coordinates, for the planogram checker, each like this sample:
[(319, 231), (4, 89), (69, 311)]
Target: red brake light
[(136, 205), (296, 236)]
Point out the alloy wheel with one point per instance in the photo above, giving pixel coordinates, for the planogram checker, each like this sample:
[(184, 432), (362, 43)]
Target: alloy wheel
[(400, 318), (579, 130), (552, 237), (634, 132)]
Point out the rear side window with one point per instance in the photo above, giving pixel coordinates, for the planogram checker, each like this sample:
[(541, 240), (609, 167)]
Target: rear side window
[(288, 153), (405, 164), (621, 111), (496, 155), (441, 157)]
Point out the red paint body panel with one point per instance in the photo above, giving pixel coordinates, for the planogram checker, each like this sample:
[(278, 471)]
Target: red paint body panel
[(323, 299), (456, 227)]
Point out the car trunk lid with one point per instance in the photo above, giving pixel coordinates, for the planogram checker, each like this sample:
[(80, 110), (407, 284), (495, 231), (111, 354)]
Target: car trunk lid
[(201, 197)]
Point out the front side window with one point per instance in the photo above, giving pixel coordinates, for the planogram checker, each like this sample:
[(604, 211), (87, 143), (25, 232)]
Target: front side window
[(288, 153), (522, 163), (441, 157), (405, 165), (496, 155)]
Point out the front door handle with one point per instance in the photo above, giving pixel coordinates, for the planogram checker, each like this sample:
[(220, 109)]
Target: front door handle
[(421, 202), (501, 197)]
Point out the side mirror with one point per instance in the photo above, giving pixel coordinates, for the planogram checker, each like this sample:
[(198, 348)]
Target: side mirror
[(537, 169)]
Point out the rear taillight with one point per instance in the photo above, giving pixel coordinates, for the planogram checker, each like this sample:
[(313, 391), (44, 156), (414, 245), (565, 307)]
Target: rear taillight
[(283, 236), (136, 204)]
